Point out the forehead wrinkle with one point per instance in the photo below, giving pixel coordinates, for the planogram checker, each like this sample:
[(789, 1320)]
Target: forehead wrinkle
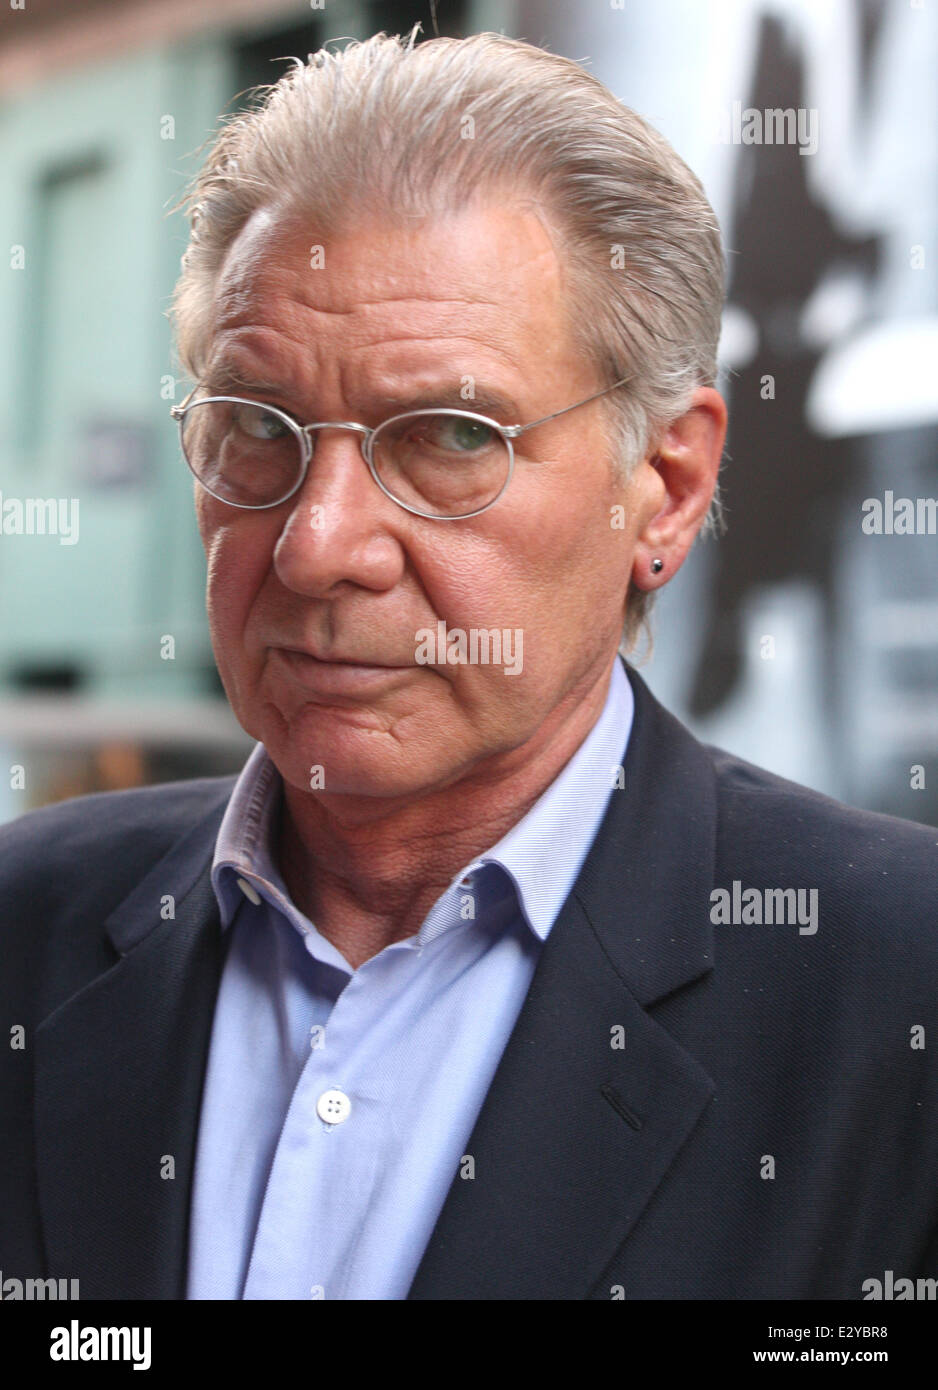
[(239, 285), (427, 383), (258, 345), (285, 353), (246, 294), (244, 307), (295, 336), (435, 340), (274, 246)]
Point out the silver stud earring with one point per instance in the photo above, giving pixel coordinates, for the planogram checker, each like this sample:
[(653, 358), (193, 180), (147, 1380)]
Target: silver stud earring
[(657, 566)]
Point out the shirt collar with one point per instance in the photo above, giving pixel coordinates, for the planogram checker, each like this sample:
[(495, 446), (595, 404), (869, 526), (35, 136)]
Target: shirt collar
[(544, 852), (541, 854), (245, 836)]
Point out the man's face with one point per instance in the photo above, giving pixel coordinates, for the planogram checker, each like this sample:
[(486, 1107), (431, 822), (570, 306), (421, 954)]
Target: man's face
[(340, 574)]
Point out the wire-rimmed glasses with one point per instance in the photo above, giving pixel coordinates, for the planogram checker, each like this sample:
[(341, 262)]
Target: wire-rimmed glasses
[(444, 464)]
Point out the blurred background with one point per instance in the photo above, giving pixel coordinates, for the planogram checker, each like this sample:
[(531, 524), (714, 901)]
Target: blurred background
[(802, 639)]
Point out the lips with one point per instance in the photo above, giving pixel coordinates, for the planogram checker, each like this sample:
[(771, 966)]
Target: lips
[(333, 660), (335, 680)]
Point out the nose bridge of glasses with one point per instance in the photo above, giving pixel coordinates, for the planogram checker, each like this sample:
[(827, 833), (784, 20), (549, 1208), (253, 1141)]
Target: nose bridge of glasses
[(308, 431)]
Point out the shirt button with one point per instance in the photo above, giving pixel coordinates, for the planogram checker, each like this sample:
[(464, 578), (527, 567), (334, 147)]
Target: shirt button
[(249, 891), (333, 1107)]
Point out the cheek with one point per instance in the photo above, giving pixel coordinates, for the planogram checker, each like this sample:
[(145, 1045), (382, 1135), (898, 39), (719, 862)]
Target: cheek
[(238, 558), (566, 551)]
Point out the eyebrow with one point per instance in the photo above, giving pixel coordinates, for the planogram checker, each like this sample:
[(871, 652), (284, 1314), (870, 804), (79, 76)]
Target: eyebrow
[(226, 375), (450, 395), (483, 401)]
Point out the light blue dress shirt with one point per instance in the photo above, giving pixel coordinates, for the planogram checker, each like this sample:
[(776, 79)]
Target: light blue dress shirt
[(338, 1103)]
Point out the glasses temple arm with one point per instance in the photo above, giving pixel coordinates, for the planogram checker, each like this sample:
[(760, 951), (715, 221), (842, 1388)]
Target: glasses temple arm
[(514, 430)]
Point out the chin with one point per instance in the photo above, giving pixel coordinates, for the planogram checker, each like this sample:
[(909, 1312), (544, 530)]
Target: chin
[(340, 752)]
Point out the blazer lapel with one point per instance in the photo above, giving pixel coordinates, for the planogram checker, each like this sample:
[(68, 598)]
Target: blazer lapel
[(130, 1049), (576, 1134)]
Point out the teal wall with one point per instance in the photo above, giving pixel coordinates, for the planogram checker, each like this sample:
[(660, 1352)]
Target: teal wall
[(86, 182)]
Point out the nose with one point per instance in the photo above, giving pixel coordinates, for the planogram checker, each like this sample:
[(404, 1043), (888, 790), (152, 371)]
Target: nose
[(341, 527)]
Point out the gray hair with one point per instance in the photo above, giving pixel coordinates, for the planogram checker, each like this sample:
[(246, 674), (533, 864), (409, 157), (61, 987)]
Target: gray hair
[(414, 128)]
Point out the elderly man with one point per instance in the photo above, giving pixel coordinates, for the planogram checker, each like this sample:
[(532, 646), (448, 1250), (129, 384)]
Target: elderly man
[(484, 979)]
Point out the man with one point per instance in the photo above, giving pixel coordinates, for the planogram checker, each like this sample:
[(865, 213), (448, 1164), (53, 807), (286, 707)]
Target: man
[(484, 979)]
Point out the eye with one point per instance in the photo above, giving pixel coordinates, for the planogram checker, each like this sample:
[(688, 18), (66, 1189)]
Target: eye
[(457, 434), (258, 423)]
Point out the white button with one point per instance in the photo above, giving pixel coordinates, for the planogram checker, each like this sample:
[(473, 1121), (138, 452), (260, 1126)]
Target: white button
[(249, 891), (333, 1107)]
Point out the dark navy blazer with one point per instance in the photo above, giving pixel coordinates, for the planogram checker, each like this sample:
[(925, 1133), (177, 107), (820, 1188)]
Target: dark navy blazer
[(683, 1110)]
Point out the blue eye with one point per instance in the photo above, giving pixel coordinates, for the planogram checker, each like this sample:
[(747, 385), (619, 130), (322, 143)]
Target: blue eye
[(456, 434), (258, 423)]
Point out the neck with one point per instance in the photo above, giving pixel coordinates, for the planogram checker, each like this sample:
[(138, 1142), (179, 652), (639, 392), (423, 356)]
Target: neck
[(368, 876)]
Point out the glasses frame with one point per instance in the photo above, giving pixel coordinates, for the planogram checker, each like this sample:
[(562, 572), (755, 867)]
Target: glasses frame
[(304, 433)]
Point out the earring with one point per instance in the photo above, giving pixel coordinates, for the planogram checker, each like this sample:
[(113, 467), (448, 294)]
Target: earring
[(657, 566)]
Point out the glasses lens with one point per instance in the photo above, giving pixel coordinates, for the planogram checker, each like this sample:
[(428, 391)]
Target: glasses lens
[(441, 463), (244, 453)]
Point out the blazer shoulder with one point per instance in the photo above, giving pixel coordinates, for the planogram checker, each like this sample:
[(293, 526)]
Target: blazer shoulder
[(133, 828), (880, 869), (747, 790), (65, 868)]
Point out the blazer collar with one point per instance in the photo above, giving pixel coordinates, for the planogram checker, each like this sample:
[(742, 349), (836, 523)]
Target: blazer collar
[(651, 864), (576, 1135)]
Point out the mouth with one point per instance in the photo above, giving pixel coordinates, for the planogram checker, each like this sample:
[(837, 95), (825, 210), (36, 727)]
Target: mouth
[(326, 679), (359, 662)]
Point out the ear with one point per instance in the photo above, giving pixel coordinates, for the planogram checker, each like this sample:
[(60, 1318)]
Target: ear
[(686, 461)]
